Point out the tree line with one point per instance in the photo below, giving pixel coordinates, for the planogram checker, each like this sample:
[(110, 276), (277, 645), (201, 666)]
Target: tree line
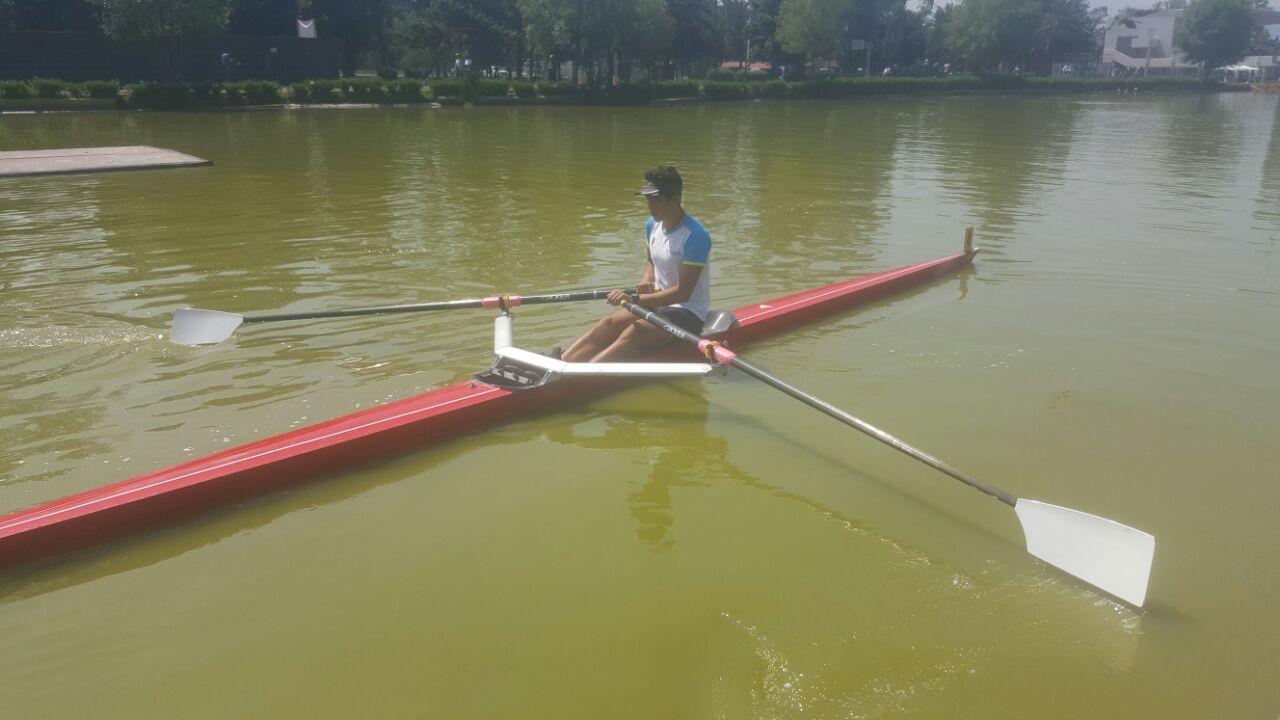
[(601, 39)]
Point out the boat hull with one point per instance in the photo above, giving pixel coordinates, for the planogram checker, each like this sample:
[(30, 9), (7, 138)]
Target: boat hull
[(165, 497)]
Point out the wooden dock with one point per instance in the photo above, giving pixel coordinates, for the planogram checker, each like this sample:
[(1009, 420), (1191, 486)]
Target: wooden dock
[(61, 161)]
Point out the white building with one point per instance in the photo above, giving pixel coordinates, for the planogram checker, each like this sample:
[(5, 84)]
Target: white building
[(1143, 44)]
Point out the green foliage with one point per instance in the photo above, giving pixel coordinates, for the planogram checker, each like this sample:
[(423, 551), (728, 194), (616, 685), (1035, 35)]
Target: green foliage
[(988, 34), (812, 28), (427, 35), (14, 90), (719, 74), (446, 87), (100, 89), (252, 92), (695, 34), (164, 95), (362, 26), (406, 90), (524, 89), (470, 90), (1215, 32), (492, 87), (49, 89), (550, 89), (50, 16), (677, 89), (201, 95), (474, 87), (714, 90), (143, 20), (596, 31), (262, 17), (317, 92)]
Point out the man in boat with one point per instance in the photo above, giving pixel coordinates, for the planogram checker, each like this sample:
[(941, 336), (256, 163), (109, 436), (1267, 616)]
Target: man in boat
[(676, 280)]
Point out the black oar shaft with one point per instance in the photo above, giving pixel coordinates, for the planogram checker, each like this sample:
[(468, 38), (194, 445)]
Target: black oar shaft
[(442, 305), (828, 409)]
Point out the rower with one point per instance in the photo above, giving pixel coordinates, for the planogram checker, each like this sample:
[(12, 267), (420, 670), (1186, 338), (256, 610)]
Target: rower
[(676, 282)]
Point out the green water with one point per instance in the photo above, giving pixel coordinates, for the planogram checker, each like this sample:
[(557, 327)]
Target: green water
[(688, 550)]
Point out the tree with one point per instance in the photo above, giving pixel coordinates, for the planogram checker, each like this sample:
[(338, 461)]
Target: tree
[(595, 34), (162, 23), (812, 28), (263, 17), (697, 30), (1064, 27), (423, 40), (426, 33), (939, 22), (150, 20), (1214, 32), (762, 30), (985, 34), (734, 18), (362, 26), (905, 38), (50, 15)]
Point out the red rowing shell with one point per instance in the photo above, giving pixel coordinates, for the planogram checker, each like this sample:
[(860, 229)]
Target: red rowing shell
[(161, 498)]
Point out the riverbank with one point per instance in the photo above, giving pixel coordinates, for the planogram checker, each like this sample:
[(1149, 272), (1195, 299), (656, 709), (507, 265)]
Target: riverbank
[(55, 95)]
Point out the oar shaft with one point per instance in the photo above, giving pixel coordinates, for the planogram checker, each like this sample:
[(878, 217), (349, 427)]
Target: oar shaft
[(872, 431), (494, 301), (382, 310), (724, 355)]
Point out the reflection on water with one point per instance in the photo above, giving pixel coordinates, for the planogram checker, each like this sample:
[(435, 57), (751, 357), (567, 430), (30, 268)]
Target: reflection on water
[(1115, 351)]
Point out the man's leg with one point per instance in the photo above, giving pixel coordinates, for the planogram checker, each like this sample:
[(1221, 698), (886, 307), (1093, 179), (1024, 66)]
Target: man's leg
[(599, 337), (639, 335)]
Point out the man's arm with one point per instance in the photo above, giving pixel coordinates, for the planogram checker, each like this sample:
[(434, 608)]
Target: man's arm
[(646, 281), (683, 290)]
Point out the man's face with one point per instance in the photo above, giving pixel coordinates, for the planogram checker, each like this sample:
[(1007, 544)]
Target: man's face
[(659, 205)]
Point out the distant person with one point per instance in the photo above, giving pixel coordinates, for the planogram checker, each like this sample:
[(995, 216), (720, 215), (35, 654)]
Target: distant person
[(676, 279), (226, 61)]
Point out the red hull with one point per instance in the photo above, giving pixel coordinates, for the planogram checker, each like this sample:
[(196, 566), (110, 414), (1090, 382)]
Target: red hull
[(162, 498)]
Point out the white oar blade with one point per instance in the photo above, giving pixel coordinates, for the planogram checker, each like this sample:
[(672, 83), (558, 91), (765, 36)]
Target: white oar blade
[(1102, 552), (203, 327)]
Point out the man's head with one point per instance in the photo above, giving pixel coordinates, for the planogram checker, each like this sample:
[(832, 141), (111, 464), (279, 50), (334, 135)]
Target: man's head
[(662, 188)]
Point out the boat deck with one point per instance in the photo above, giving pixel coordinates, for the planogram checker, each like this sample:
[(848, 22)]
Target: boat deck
[(65, 161)]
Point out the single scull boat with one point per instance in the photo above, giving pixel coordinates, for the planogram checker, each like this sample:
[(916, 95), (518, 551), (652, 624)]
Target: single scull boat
[(162, 498)]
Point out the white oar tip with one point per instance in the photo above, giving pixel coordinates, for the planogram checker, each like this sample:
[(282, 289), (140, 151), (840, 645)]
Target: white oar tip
[(192, 326), (1104, 553)]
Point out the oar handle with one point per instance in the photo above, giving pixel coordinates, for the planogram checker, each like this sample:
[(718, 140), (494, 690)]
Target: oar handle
[(493, 301), (724, 355)]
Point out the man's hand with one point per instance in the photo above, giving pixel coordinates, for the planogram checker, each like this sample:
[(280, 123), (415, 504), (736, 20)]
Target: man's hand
[(617, 296), (646, 287)]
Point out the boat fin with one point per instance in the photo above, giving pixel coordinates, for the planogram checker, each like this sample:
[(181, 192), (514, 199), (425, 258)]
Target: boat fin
[(718, 322)]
